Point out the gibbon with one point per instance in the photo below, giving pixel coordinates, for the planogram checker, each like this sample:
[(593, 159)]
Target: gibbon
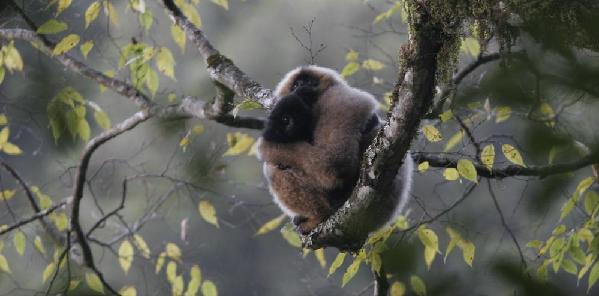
[(313, 143)]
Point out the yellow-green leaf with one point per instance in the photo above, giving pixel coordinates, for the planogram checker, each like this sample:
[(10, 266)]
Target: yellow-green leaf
[(86, 47), (593, 276), (12, 57), (52, 27), (271, 225), (432, 133), (591, 199), (468, 250), (398, 289), (207, 212), (466, 168), (512, 154), (141, 245), (66, 44), (177, 286), (19, 242), (352, 56), (320, 257), (4, 133), (11, 149), (37, 242), (423, 166), (165, 62), (102, 119), (2, 73), (93, 282), (159, 262), (48, 271), (429, 256), (224, 4), (351, 271), (195, 281), (73, 284), (291, 236), (584, 185), (428, 237), (60, 220), (171, 271), (3, 118), (373, 65), (7, 195), (454, 140), (152, 81), (92, 12), (337, 263), (178, 36), (126, 253), (451, 174), (502, 114), (445, 116), (417, 285), (62, 5), (570, 267), (350, 69), (454, 238), (470, 46), (112, 13), (192, 15), (4, 264), (209, 289), (173, 251), (146, 19), (487, 156), (239, 143), (128, 291)]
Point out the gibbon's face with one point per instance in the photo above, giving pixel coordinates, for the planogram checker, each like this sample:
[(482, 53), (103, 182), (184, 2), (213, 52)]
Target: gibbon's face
[(292, 120)]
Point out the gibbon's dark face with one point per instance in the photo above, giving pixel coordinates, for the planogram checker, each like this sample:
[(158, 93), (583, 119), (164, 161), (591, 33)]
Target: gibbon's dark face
[(292, 120), (305, 82)]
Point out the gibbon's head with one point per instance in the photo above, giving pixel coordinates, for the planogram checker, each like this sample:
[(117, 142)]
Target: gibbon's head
[(314, 77), (292, 120)]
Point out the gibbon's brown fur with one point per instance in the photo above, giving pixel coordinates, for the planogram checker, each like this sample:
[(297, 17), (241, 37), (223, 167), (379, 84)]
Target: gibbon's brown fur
[(310, 181)]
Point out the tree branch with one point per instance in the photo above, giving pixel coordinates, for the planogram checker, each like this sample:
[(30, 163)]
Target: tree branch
[(372, 204), (90, 148), (511, 170), (38, 215)]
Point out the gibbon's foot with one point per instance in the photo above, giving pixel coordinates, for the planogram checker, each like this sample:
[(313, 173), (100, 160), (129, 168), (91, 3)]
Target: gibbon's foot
[(306, 225)]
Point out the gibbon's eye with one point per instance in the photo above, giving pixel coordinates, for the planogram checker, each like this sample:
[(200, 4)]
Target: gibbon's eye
[(282, 167)]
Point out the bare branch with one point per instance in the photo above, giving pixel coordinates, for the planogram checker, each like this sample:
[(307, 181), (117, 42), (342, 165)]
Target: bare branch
[(219, 67), (435, 160), (90, 148), (38, 215)]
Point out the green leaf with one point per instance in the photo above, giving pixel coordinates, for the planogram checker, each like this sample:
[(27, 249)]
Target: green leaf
[(398, 289), (372, 65), (209, 288), (48, 271), (593, 276), (512, 154), (4, 264), (567, 208), (569, 266), (73, 285), (351, 271), (536, 244), (417, 285), (502, 114), (177, 285), (146, 19), (271, 225), (7, 195), (102, 119), (584, 185), (468, 250), (470, 46), (454, 140), (3, 118), (160, 262), (171, 271), (423, 166), (432, 133), (466, 168), (319, 254), (350, 69), (39, 246), (62, 5), (2, 73), (222, 3), (66, 44), (429, 256), (19, 242), (93, 282), (173, 251), (337, 263), (83, 129), (86, 47), (126, 253), (52, 27), (454, 238), (12, 57), (195, 281), (178, 36), (591, 199), (487, 156), (451, 174), (192, 14), (207, 212), (92, 12), (165, 62), (152, 81), (112, 13), (445, 116)]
